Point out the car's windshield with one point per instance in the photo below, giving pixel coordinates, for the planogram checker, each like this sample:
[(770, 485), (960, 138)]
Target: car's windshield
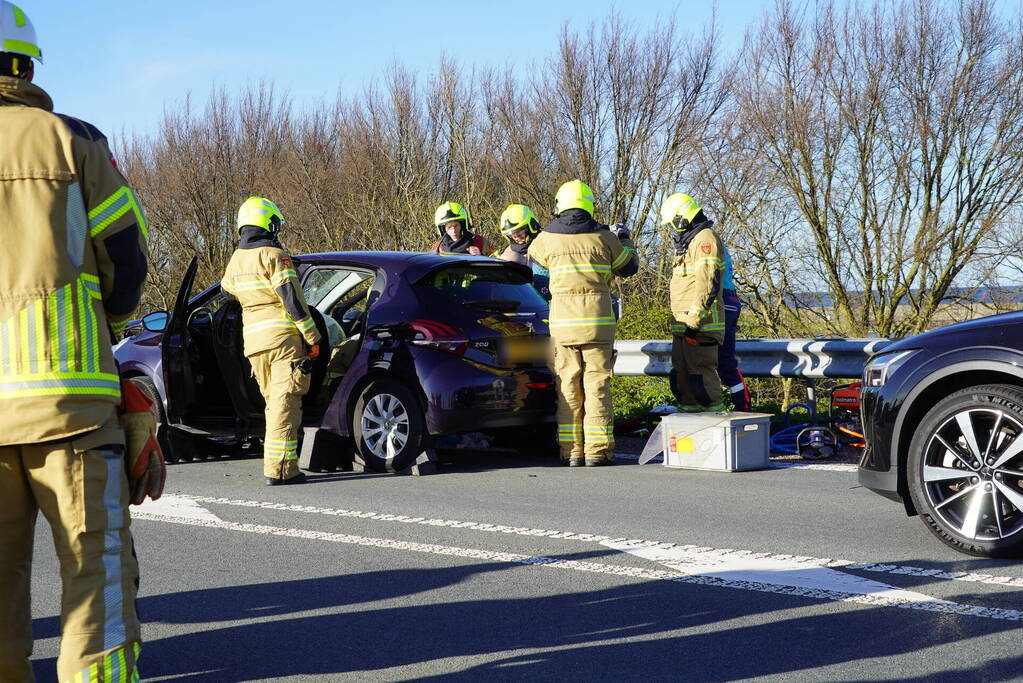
[(487, 287)]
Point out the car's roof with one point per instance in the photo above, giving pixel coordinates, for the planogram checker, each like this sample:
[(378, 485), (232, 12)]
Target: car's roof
[(411, 265), (387, 259)]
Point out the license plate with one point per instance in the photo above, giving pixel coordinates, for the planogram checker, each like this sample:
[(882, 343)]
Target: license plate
[(530, 350)]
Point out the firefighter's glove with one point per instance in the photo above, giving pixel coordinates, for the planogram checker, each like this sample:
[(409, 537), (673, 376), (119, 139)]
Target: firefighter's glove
[(314, 351), (143, 458), (620, 231), (689, 336)]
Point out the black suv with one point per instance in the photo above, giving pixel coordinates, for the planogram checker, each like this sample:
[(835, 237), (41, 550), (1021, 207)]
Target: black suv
[(943, 419)]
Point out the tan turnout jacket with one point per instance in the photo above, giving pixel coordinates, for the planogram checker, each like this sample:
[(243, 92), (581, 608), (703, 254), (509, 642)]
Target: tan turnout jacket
[(73, 264), (695, 287), (263, 279), (582, 258)]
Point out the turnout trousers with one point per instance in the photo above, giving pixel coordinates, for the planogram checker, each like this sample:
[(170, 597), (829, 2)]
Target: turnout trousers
[(283, 385), (83, 494), (585, 415), (694, 378), (728, 364)]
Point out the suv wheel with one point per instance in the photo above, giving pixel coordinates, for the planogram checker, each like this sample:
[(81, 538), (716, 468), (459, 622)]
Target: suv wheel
[(389, 426), (966, 470)]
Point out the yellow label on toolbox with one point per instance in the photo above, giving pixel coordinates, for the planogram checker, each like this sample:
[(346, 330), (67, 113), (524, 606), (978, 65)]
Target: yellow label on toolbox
[(681, 445)]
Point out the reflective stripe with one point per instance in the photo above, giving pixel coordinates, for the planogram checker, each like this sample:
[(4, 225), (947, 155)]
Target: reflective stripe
[(53, 384), (250, 284), (77, 225), (55, 355), (582, 268), (113, 594), (712, 261), (306, 324), (569, 432), (623, 257), (599, 434), (22, 47), (280, 446), (39, 334), (256, 327), (606, 320), (83, 301), (280, 277), (92, 285), (28, 338), (112, 208)]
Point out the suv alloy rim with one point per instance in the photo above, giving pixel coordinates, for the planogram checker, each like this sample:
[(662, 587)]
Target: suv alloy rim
[(385, 425), (972, 471)]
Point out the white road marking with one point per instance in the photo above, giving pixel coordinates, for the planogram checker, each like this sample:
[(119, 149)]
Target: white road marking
[(768, 570), (904, 570), (874, 600), (813, 466), (174, 506)]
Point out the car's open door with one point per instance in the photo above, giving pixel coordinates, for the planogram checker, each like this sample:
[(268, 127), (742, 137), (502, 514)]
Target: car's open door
[(178, 373)]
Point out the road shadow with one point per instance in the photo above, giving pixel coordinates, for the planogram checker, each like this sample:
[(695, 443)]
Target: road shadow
[(644, 630)]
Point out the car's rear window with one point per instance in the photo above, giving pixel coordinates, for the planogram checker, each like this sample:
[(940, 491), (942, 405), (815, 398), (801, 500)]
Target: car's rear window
[(487, 287)]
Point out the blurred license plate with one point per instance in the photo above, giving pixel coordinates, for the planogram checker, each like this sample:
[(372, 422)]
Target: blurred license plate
[(523, 350)]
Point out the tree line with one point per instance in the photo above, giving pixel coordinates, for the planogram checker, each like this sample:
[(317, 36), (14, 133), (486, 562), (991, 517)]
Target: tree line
[(864, 162)]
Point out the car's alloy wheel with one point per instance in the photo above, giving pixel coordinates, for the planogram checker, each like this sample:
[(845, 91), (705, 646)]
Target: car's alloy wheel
[(966, 470), (389, 426)]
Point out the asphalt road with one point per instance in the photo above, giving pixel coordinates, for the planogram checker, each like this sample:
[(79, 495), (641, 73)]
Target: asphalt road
[(510, 568)]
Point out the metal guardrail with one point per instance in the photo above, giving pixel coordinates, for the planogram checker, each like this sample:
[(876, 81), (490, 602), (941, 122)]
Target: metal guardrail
[(802, 358)]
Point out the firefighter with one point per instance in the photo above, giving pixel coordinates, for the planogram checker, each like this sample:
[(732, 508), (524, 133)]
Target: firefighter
[(697, 309), (452, 223), (278, 332), (74, 267), (520, 226), (583, 256), (728, 364)]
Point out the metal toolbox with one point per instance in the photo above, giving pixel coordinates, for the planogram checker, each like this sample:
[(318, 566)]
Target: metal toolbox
[(728, 442)]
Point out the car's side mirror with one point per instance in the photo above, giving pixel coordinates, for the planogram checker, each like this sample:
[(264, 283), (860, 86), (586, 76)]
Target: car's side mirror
[(156, 321)]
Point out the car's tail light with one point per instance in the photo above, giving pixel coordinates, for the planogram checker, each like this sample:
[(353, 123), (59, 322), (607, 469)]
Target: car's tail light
[(437, 335)]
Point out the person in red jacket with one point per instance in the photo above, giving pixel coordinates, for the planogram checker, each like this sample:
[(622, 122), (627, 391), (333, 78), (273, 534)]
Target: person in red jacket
[(452, 223)]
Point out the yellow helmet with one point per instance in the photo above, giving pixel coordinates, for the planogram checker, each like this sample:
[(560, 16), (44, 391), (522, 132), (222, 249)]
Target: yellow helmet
[(679, 205), (575, 194), (516, 217), (17, 34), (450, 211), (261, 213)]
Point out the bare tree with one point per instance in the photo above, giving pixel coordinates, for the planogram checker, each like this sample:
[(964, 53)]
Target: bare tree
[(895, 131)]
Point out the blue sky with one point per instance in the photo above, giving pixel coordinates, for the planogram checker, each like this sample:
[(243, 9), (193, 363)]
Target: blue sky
[(117, 64)]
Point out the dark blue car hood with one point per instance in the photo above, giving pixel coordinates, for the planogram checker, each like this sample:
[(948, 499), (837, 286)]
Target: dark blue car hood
[(1013, 320)]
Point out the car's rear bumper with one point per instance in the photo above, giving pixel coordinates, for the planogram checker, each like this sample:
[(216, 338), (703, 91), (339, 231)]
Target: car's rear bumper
[(463, 396)]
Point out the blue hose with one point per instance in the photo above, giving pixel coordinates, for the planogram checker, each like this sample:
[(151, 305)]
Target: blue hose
[(784, 440)]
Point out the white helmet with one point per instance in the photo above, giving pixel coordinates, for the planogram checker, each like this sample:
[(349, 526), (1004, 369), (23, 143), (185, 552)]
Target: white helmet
[(17, 33)]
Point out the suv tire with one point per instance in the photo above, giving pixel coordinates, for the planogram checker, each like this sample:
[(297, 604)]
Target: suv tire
[(965, 470)]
